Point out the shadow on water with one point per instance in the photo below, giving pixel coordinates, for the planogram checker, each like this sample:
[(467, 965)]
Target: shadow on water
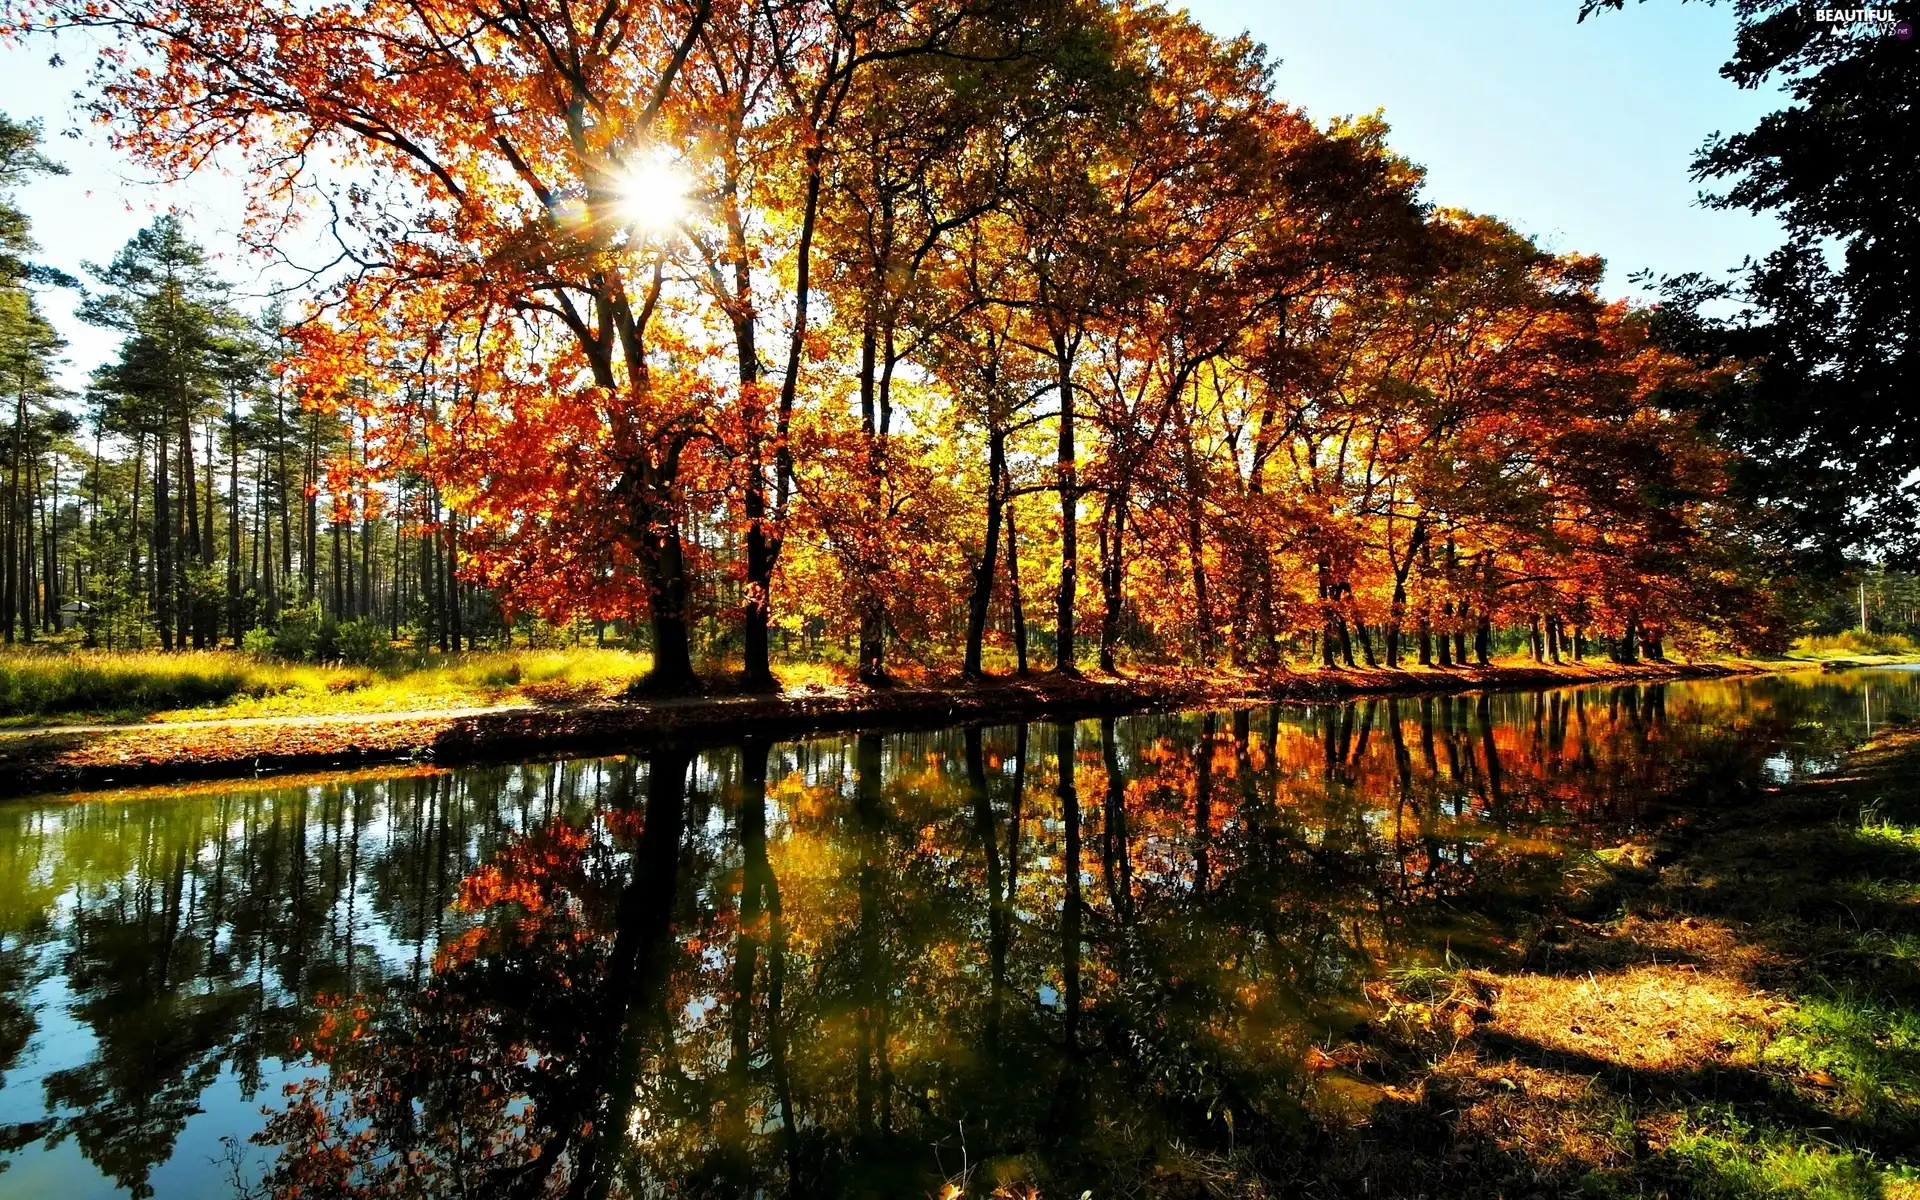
[(1065, 957)]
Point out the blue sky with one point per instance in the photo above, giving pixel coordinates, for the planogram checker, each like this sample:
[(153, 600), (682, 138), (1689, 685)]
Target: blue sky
[(1577, 133), (1580, 134)]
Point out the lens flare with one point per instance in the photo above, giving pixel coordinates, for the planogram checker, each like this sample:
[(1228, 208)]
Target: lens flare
[(653, 194)]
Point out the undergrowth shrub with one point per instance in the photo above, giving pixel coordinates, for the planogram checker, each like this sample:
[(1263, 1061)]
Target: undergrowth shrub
[(363, 643), (304, 635)]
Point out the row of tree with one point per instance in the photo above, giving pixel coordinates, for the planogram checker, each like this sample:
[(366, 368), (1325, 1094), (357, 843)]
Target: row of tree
[(197, 499), (866, 325)]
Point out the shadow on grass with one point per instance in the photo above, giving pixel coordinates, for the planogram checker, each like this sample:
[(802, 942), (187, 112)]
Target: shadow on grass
[(1730, 1011)]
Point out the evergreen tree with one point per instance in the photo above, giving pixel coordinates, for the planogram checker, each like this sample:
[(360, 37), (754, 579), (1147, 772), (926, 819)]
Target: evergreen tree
[(175, 312)]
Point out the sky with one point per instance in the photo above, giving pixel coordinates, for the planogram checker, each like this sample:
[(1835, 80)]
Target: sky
[(1579, 134)]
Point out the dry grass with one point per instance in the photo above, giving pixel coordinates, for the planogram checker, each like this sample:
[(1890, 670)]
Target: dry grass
[(451, 682), (1647, 1018), (1563, 1123), (56, 686), (42, 682), (41, 686), (1728, 1011), (1852, 643)]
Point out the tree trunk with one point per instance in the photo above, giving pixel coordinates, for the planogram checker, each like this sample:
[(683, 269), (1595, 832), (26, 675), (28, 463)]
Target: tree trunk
[(1396, 615), (1204, 649), (365, 608), (1018, 605), (1113, 574), (1203, 643), (765, 537), (233, 519), (310, 557), (206, 622), (663, 565), (163, 540), (187, 531), (260, 553), (9, 584), (1069, 520), (135, 568), (456, 617), (873, 628), (206, 512), (980, 602), (1240, 624), (50, 541), (285, 486), (1269, 635), (756, 603), (436, 540), (757, 596), (56, 569), (29, 591), (1359, 628), (394, 591)]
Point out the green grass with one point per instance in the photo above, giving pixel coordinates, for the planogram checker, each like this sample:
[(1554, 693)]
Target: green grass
[(1878, 832), (1853, 643), (55, 686), (1726, 1158), (1869, 1047)]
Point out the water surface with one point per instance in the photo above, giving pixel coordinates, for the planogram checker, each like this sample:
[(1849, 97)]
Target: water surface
[(849, 965)]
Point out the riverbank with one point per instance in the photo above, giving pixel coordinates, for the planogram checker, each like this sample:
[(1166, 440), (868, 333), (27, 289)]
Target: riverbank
[(1728, 1008), (74, 757)]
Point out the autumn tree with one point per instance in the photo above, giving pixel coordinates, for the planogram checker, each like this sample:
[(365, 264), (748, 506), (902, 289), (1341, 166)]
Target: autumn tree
[(742, 320)]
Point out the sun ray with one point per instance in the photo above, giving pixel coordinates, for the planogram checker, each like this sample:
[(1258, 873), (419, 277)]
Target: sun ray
[(652, 194)]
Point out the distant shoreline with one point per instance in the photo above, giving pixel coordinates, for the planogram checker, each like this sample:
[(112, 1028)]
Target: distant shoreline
[(64, 760)]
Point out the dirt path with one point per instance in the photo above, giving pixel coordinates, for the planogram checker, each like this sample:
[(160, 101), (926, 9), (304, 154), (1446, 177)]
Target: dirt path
[(63, 758)]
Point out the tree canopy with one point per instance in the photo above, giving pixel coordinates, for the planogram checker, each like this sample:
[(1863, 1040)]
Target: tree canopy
[(778, 326), (1828, 322)]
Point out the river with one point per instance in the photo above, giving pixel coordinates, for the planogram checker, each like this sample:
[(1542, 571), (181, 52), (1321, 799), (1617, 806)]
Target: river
[(857, 962)]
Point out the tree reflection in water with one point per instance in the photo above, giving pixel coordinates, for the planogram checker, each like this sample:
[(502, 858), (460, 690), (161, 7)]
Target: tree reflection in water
[(846, 966)]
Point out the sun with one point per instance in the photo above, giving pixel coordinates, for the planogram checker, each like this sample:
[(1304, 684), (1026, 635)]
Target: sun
[(652, 194)]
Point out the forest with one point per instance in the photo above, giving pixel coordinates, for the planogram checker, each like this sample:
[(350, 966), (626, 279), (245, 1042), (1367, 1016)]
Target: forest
[(940, 336)]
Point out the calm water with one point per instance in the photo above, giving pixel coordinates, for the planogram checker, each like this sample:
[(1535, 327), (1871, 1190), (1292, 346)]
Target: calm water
[(860, 963)]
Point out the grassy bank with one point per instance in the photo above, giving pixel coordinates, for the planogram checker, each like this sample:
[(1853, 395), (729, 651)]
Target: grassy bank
[(53, 686), (599, 717), (1855, 646), (65, 687), (1729, 1010)]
